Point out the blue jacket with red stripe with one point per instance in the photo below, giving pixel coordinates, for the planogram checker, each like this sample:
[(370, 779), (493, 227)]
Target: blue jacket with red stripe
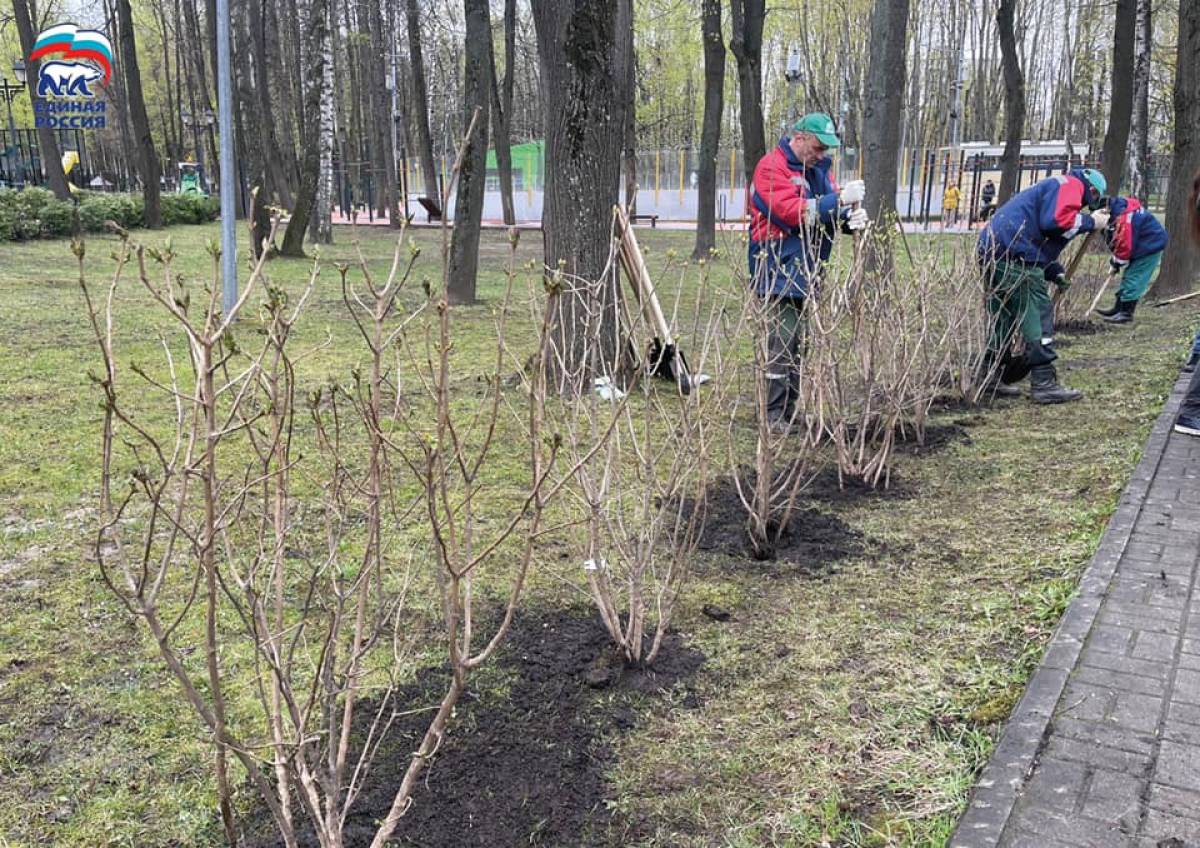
[(1035, 225), (1133, 232), (793, 212)]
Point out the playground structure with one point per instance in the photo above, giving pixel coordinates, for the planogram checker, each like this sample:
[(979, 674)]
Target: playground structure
[(191, 179)]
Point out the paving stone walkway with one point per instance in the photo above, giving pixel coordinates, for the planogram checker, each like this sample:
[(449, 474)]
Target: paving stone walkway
[(1104, 748)]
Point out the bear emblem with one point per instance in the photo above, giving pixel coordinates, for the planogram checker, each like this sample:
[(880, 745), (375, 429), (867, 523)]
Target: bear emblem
[(66, 79)]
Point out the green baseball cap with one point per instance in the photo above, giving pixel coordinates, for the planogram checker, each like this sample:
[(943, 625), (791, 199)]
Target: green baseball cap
[(820, 125)]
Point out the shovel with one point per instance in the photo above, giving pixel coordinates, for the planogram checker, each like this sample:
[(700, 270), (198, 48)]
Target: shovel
[(666, 359), (1100, 292)]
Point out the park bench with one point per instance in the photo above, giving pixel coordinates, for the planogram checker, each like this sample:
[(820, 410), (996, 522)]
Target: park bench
[(653, 219)]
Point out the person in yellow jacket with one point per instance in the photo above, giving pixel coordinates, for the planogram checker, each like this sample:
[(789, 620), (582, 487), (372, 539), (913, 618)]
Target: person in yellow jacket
[(950, 201)]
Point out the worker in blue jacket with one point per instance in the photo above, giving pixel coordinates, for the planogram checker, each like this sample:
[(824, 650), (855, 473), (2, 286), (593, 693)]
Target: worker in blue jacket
[(1137, 241), (1018, 251)]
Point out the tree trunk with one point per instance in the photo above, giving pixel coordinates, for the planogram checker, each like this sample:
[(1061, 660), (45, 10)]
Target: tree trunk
[(1014, 101), (472, 175), (1182, 259), (381, 105), (321, 227), (420, 102), (746, 45), (314, 104), (710, 133), (147, 157), (250, 143), (582, 60), (629, 134), (502, 100), (1116, 139), (275, 187), (884, 104), (1139, 143), (47, 143)]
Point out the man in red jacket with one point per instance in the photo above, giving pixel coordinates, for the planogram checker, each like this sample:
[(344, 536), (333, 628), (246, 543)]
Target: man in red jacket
[(795, 205)]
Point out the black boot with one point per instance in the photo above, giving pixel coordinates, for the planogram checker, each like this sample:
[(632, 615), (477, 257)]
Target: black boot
[(1044, 387), (1108, 313), (1192, 361), (1124, 313)]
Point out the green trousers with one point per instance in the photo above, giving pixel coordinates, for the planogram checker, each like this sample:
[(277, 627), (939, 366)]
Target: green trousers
[(785, 348), (1135, 282), (1016, 298)]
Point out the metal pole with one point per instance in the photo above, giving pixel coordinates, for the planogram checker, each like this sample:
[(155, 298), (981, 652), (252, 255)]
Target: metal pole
[(225, 119), (12, 142)]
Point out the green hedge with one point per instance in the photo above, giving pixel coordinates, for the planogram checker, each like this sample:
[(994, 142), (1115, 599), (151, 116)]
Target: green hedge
[(34, 213)]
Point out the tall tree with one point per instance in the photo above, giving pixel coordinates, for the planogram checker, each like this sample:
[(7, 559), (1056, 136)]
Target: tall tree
[(314, 103), (420, 99), (629, 159), (746, 20), (1139, 142), (277, 188), (582, 61), (47, 143), (502, 102), (250, 143), (472, 175), (321, 228), (1182, 259), (710, 132), (148, 167), (884, 104), (1116, 139), (1014, 100)]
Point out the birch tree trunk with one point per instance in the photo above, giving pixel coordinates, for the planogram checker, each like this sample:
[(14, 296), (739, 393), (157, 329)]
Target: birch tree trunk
[(321, 229), (1139, 141)]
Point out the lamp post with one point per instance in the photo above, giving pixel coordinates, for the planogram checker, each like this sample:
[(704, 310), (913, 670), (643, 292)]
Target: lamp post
[(11, 90), (204, 119)]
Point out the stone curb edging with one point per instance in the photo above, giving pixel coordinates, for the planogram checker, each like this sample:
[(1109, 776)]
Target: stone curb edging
[(995, 793)]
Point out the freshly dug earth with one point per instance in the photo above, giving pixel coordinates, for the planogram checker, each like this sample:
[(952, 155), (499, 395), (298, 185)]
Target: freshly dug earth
[(525, 758), (814, 540)]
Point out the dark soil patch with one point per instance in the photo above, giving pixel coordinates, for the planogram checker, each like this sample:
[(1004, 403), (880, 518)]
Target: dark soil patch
[(935, 438), (524, 761), (953, 403), (814, 540)]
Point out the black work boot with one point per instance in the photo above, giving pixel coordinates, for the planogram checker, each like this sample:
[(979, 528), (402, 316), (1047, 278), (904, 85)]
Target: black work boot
[(1192, 361), (1107, 313), (1044, 387), (1124, 313)]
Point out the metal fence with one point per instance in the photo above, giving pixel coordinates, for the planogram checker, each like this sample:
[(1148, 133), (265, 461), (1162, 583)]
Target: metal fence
[(667, 178)]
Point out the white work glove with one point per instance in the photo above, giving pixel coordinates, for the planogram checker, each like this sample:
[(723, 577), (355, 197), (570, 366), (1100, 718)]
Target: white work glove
[(852, 192), (1100, 218), (856, 220)]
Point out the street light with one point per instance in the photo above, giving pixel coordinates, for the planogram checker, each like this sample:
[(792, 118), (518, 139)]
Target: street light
[(11, 90), (204, 119)]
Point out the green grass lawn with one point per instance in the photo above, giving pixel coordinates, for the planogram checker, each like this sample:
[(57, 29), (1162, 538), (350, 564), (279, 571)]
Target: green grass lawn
[(848, 705)]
